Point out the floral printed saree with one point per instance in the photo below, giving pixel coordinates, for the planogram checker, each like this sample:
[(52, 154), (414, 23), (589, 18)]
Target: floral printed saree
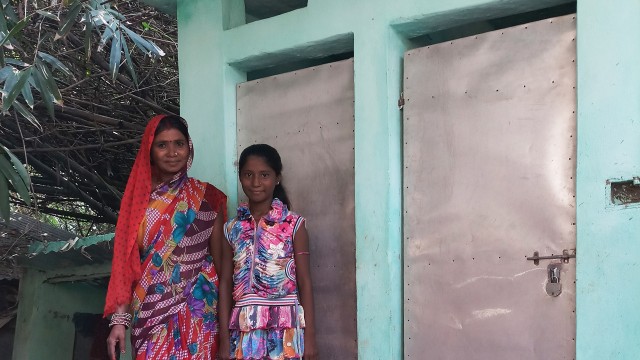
[(175, 302)]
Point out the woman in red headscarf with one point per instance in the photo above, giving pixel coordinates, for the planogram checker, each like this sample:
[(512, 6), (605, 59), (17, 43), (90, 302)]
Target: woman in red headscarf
[(164, 283)]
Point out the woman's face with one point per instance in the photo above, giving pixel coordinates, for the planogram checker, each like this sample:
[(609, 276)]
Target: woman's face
[(169, 153), (258, 180)]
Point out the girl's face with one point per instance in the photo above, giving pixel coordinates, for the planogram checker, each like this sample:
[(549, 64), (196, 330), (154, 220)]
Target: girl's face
[(258, 180), (169, 153)]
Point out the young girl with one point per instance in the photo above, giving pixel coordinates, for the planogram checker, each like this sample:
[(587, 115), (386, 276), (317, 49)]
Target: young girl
[(268, 254)]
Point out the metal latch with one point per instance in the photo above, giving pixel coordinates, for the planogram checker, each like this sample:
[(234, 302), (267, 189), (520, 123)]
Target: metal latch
[(554, 287), (564, 257)]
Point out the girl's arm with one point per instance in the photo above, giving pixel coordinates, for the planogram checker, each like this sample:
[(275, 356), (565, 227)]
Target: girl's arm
[(225, 301), (305, 290), (117, 335)]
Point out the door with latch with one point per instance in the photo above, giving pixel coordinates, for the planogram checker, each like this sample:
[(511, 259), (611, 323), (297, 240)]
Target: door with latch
[(489, 196), (308, 116)]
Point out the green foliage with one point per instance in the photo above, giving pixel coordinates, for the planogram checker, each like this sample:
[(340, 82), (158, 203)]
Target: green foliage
[(22, 74), (96, 15), (13, 176)]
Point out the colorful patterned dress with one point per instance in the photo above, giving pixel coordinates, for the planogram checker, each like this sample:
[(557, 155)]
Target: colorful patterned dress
[(161, 266), (175, 302), (267, 321)]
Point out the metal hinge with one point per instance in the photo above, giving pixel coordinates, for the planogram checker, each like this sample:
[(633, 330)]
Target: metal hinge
[(401, 101), (564, 257)]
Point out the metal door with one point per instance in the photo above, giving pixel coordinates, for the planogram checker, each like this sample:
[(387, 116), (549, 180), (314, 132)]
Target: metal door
[(489, 164), (308, 116)]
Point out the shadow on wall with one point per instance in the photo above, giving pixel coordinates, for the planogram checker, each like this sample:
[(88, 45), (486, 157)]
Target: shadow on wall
[(262, 9), (91, 335), (480, 27), (8, 312)]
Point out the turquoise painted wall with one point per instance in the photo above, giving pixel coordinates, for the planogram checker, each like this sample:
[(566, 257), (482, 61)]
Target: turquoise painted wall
[(44, 328), (608, 315), (216, 51)]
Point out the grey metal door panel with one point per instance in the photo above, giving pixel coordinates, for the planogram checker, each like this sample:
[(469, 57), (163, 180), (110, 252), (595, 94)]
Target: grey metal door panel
[(308, 116), (489, 132)]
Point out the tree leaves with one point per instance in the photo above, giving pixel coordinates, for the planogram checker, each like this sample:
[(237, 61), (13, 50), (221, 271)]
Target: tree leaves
[(32, 76), (4, 198), (102, 16), (145, 45), (130, 67), (27, 95), (27, 114), (12, 93), (15, 30), (13, 173), (47, 98), (57, 64), (116, 54), (87, 34), (49, 81), (48, 15), (70, 20)]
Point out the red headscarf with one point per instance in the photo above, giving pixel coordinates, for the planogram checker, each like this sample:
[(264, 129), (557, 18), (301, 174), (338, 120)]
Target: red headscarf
[(125, 268)]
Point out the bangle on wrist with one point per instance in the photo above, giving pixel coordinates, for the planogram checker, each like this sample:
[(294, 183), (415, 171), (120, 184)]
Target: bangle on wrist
[(121, 319)]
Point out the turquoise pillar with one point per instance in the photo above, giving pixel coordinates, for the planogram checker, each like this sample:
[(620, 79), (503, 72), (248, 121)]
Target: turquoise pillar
[(378, 221), (608, 316)]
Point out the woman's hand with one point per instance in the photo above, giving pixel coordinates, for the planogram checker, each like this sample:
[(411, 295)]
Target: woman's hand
[(310, 349), (116, 337), (224, 351), (225, 299)]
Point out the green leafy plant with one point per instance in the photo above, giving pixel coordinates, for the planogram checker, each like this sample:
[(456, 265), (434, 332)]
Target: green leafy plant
[(13, 176), (24, 74)]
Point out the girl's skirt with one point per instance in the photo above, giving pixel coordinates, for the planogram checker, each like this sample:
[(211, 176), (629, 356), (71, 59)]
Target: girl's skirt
[(267, 332)]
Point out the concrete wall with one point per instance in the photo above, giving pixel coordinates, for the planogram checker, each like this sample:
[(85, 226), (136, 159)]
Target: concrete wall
[(608, 315), (216, 52), (44, 328)]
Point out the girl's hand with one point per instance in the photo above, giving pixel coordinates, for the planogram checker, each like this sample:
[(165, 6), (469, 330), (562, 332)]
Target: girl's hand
[(310, 349), (116, 337)]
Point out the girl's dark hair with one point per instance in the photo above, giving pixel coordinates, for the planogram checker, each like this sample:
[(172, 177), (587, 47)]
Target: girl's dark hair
[(272, 158), (172, 122)]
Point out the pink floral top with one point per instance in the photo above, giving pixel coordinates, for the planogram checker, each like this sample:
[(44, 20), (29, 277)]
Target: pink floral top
[(263, 252)]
